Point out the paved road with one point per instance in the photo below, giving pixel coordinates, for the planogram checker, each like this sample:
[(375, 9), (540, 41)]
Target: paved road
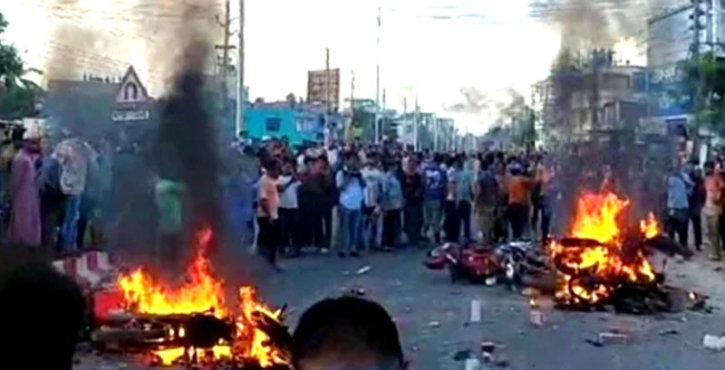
[(415, 297)]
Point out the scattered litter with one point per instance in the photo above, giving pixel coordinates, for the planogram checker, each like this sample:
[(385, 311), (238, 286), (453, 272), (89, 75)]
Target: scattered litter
[(364, 270), (718, 268), (530, 292), (491, 281), (536, 316), (462, 355), (669, 332), (434, 324), (488, 347), (594, 342), (407, 309), (713, 342), (613, 337), (357, 292), (472, 364), (414, 349), (346, 273)]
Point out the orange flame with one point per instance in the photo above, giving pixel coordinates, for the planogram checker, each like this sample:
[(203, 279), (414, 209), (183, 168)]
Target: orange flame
[(649, 227), (596, 218), (202, 293)]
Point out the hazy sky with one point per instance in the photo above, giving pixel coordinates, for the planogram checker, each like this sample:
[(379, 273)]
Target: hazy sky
[(430, 48)]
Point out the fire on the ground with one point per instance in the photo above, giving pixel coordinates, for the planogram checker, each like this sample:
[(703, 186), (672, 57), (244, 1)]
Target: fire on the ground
[(590, 274), (203, 293)]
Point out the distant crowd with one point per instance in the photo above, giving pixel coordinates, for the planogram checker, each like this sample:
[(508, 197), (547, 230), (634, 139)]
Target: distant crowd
[(386, 198)]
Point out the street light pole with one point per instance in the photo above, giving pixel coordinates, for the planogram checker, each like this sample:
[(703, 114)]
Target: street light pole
[(241, 93)]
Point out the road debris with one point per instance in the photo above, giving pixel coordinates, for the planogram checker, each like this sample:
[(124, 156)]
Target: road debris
[(713, 342), (363, 270), (669, 332), (434, 324), (613, 337), (462, 355), (594, 342), (536, 316)]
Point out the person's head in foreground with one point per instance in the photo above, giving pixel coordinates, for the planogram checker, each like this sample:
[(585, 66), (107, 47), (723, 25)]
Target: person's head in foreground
[(41, 315), (347, 333)]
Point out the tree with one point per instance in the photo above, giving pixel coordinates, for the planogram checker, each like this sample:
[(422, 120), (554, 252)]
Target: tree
[(17, 94)]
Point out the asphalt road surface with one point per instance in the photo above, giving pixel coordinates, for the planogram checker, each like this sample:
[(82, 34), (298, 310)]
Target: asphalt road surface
[(436, 322)]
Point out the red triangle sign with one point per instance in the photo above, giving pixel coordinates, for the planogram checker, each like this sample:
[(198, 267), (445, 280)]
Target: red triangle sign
[(132, 90)]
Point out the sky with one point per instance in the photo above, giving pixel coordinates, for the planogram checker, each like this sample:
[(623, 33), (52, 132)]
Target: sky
[(429, 49)]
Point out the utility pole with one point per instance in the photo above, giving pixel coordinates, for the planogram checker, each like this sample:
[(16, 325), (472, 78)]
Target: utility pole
[(328, 130), (377, 85), (352, 107), (696, 28), (416, 143), (225, 56), (241, 93)]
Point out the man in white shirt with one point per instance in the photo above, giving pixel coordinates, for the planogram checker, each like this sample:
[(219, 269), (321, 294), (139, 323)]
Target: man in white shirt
[(373, 177), (288, 186)]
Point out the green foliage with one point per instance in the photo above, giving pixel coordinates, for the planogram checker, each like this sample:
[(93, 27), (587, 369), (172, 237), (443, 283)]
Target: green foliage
[(17, 94), (705, 81)]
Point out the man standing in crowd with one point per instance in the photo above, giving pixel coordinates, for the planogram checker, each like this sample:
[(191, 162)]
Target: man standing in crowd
[(518, 188), (452, 216), (486, 195), (373, 177), (391, 204), (268, 213), (435, 193), (679, 186), (350, 183), (465, 195), (168, 197), (696, 201), (714, 186), (413, 193), (25, 226), (288, 206)]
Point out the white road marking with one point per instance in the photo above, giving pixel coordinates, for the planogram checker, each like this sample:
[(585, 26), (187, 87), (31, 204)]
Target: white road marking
[(475, 311), (472, 364)]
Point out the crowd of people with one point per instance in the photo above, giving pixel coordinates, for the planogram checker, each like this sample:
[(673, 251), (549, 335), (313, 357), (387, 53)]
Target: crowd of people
[(51, 197), (696, 194), (385, 198)]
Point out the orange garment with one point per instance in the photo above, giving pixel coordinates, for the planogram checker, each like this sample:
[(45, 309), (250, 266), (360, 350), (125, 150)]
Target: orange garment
[(714, 186), (519, 189)]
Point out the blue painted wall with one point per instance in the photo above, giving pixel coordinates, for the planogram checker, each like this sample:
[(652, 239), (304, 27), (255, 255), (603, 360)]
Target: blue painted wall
[(299, 123)]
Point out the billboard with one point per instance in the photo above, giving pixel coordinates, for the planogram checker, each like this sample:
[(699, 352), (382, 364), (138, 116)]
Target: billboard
[(317, 85), (668, 93)]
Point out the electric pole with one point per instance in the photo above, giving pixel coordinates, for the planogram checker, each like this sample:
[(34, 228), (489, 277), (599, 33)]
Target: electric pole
[(352, 108), (225, 57), (241, 93), (328, 130), (696, 28), (377, 88)]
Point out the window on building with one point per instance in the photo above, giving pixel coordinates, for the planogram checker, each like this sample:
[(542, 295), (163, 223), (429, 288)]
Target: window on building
[(273, 124)]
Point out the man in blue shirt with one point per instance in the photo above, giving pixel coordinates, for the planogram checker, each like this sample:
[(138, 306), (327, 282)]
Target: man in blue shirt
[(435, 194), (351, 185), (679, 187)]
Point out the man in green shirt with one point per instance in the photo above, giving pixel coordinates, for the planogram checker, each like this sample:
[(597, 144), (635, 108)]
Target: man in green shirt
[(168, 195)]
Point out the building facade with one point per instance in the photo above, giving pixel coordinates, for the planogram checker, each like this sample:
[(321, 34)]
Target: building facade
[(297, 123)]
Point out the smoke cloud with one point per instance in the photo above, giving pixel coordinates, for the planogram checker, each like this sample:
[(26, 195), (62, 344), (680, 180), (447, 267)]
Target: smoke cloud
[(586, 24)]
